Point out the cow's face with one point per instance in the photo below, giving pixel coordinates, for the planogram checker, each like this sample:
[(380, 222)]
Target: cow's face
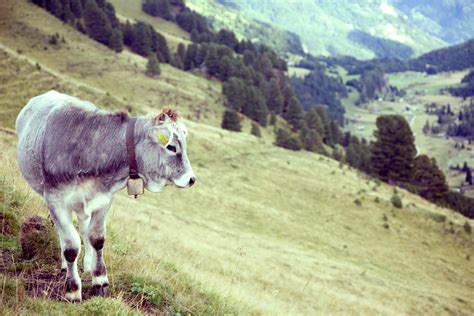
[(165, 160)]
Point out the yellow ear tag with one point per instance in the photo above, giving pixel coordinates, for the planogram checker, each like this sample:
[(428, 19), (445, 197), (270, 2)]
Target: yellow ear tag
[(162, 138)]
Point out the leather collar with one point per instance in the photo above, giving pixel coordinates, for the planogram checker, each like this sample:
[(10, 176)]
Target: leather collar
[(130, 142)]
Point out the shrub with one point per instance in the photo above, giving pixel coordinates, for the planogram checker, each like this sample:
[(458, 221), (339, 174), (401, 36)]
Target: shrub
[(255, 130), (358, 202), (286, 140), (152, 66), (467, 228), (231, 121), (396, 201)]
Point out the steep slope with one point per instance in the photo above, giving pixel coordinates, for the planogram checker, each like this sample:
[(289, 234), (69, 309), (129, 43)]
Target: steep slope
[(264, 230), (448, 20), (334, 28)]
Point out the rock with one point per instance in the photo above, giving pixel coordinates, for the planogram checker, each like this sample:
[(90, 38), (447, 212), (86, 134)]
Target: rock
[(38, 239)]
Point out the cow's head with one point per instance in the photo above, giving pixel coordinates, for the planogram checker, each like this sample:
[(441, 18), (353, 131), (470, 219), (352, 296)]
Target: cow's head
[(164, 155)]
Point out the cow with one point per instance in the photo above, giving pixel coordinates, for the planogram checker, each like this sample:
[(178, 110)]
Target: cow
[(77, 157)]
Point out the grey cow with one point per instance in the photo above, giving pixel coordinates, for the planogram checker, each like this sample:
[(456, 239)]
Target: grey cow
[(75, 156)]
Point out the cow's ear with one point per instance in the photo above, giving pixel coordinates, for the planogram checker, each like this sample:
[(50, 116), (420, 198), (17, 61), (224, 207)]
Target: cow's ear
[(161, 118)]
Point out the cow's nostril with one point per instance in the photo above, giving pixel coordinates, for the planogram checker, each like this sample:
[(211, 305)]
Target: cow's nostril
[(192, 181)]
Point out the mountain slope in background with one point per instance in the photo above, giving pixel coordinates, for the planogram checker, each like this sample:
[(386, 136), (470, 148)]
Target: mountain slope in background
[(390, 28)]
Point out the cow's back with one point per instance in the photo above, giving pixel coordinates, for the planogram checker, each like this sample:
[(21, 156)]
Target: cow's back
[(30, 127)]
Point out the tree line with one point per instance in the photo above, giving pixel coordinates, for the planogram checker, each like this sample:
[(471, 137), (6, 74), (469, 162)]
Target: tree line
[(394, 160), (467, 88), (97, 19)]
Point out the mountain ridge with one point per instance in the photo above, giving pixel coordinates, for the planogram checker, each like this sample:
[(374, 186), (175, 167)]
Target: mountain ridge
[(324, 26)]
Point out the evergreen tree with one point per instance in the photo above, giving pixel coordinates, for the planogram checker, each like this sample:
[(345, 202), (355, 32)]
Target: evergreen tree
[(212, 61), (311, 140), (97, 23), (55, 7), (274, 97), (273, 118), (181, 51), (128, 33), (201, 55), (141, 39), (469, 176), (294, 114), (393, 151), (313, 121), (429, 181), (67, 16), (116, 41), (336, 133), (255, 130), (254, 106), (76, 8), (225, 68), (190, 56), (234, 90), (152, 66), (164, 10), (231, 121), (286, 140)]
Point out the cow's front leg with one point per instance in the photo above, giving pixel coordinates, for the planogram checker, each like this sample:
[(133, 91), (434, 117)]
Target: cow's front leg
[(70, 249), (100, 282)]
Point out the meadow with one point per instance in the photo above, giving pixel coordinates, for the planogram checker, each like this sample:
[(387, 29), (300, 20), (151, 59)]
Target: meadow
[(264, 231)]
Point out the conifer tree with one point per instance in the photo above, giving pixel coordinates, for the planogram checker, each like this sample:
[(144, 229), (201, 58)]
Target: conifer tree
[(274, 97), (231, 121), (469, 176), (393, 151), (97, 23), (76, 8), (255, 130), (313, 121), (141, 39), (116, 41), (190, 56), (429, 180), (152, 66), (181, 51), (286, 140), (235, 92), (212, 61), (294, 114)]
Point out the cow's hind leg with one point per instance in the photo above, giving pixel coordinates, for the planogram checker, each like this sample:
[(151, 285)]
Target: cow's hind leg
[(84, 222), (100, 282), (70, 248)]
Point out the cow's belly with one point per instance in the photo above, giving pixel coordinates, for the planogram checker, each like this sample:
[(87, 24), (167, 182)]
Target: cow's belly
[(30, 127)]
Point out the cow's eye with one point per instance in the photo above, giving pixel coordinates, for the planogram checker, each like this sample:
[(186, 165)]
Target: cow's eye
[(171, 148)]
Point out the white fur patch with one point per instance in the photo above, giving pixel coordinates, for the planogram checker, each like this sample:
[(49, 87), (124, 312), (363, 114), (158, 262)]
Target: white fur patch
[(74, 296), (100, 280)]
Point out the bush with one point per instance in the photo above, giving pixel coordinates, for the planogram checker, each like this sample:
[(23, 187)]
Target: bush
[(285, 140), (231, 121), (255, 130), (396, 201), (467, 228), (358, 202), (152, 66)]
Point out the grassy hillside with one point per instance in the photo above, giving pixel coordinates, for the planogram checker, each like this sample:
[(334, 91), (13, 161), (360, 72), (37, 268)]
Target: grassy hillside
[(264, 230), (132, 10)]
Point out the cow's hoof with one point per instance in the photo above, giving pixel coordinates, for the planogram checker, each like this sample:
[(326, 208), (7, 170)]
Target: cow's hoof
[(100, 290), (74, 297)]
